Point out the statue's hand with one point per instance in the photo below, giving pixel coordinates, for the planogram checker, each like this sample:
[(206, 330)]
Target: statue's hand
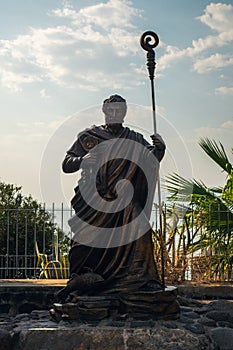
[(90, 159), (158, 142), (87, 165)]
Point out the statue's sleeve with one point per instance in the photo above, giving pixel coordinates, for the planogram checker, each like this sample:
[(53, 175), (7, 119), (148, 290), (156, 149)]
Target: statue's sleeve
[(73, 157)]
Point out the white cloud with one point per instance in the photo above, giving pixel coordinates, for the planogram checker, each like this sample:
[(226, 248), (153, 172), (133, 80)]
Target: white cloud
[(224, 90), (76, 54), (223, 133), (172, 54), (13, 80), (228, 124), (81, 53), (114, 13), (219, 18), (43, 94), (40, 126), (213, 62)]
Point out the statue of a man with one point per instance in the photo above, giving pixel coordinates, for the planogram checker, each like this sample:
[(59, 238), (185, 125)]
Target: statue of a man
[(119, 251)]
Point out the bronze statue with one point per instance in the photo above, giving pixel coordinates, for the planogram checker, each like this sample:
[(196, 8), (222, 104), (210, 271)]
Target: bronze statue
[(119, 266), (111, 252)]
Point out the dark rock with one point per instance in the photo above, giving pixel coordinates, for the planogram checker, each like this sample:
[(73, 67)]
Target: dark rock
[(4, 308), (219, 315), (184, 319), (4, 324), (22, 317), (39, 314), (207, 322), (220, 305), (224, 324), (205, 343), (112, 323), (168, 324), (19, 296), (142, 324), (185, 309), (5, 340), (223, 338), (5, 297), (200, 311), (184, 301), (196, 328), (27, 307), (192, 315), (4, 317)]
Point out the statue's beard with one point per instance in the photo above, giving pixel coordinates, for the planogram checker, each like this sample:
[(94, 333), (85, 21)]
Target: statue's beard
[(114, 128)]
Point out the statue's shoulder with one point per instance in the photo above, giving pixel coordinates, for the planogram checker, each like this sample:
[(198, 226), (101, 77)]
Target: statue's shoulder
[(89, 137), (87, 131), (134, 134)]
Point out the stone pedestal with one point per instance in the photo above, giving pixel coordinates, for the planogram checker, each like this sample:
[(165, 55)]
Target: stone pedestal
[(111, 338), (155, 305), (138, 305)]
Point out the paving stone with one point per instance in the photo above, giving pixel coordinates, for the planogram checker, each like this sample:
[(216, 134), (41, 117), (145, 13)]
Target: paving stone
[(5, 340), (219, 315), (220, 305), (224, 324), (185, 309), (142, 324), (196, 328), (207, 321), (184, 319), (40, 313), (189, 302), (200, 310), (169, 324), (4, 317), (22, 317), (192, 314), (223, 338)]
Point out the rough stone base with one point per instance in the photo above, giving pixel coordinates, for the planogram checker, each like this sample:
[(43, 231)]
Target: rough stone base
[(111, 338), (139, 305), (202, 326)]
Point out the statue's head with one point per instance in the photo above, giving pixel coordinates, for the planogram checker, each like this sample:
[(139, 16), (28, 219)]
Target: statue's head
[(114, 108)]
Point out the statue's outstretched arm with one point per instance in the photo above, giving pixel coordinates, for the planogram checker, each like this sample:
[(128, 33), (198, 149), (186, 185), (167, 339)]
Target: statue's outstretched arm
[(73, 158)]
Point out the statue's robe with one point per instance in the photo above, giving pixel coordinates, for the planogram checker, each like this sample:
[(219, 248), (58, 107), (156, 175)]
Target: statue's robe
[(130, 265)]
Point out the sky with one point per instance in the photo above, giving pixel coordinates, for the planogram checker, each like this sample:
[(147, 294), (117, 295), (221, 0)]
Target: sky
[(60, 59)]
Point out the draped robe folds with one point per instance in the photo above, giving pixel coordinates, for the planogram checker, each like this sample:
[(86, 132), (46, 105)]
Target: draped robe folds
[(123, 254)]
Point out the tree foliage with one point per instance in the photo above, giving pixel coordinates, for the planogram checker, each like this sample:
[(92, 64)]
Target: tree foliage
[(205, 214), (24, 221)]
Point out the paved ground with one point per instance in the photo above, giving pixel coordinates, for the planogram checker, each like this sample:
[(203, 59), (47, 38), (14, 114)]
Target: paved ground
[(32, 282)]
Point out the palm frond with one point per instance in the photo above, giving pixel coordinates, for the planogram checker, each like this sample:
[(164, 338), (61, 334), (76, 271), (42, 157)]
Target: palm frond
[(217, 153), (182, 189), (216, 190)]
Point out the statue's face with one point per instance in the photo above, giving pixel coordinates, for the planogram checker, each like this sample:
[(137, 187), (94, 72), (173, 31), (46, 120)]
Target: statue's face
[(114, 112)]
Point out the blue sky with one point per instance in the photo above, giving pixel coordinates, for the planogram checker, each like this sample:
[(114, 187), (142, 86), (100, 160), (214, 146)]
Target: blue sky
[(60, 59)]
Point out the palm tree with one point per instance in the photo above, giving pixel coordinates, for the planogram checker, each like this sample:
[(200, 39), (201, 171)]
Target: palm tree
[(207, 219)]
